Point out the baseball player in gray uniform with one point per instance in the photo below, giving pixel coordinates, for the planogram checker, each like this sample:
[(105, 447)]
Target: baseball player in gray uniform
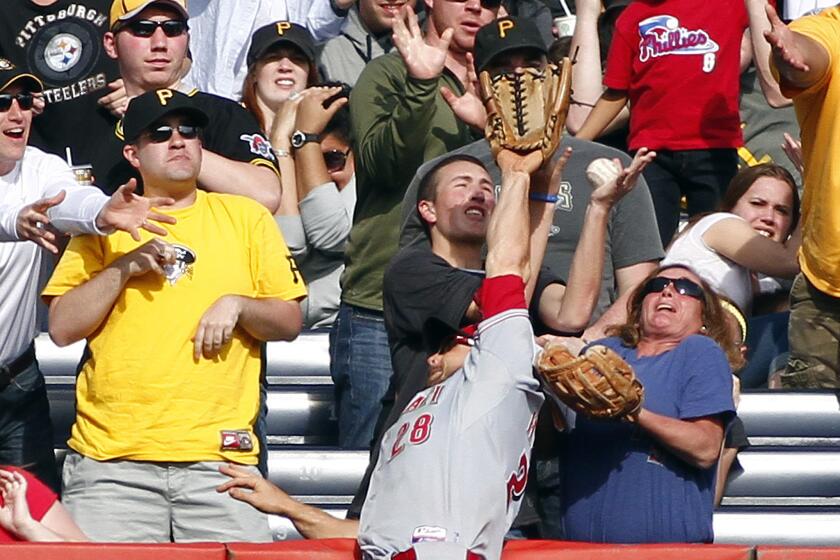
[(451, 471)]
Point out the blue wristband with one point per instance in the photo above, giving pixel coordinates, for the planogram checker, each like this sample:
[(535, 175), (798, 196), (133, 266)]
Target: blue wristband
[(553, 198)]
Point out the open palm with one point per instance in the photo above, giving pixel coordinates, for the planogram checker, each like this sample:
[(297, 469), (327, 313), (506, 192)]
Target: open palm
[(423, 60)]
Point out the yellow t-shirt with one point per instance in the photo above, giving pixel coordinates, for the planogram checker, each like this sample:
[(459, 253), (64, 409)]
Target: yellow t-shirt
[(818, 112), (141, 395)]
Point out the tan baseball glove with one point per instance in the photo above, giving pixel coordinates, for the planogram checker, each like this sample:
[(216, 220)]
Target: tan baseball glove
[(526, 109), (597, 383)]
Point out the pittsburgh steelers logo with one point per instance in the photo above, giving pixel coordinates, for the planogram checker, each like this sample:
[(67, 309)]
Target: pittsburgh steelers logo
[(63, 52)]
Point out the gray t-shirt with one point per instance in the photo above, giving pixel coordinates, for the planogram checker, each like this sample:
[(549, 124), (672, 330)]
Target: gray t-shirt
[(632, 235), (453, 468)]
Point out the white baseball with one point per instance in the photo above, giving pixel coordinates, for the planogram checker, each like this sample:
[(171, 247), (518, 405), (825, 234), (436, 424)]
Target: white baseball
[(601, 171)]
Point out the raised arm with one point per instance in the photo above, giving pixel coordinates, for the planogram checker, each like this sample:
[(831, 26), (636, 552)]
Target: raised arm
[(800, 60), (607, 108), (387, 123), (759, 25)]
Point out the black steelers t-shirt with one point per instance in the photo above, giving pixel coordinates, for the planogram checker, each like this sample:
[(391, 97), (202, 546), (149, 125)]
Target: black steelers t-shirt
[(62, 45)]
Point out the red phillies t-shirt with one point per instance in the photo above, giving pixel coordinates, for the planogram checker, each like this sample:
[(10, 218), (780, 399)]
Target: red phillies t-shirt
[(39, 497), (679, 62)]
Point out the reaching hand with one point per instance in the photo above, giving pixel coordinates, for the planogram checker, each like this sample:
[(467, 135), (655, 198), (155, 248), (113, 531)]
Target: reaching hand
[(255, 490), (548, 177), (32, 222), (612, 183), (115, 102), (467, 107), (152, 256), (793, 150), (423, 60), (284, 121), (129, 212), (312, 117), (783, 42), (215, 329), (14, 515)]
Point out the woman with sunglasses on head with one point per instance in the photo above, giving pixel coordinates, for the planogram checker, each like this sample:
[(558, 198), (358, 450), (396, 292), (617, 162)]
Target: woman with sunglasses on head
[(652, 478), (754, 232)]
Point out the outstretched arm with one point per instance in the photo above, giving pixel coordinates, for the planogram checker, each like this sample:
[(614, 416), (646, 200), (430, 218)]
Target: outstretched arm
[(571, 310), (759, 25), (311, 522), (800, 60)]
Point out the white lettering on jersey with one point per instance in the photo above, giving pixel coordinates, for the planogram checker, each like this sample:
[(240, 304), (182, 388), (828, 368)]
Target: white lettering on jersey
[(663, 35)]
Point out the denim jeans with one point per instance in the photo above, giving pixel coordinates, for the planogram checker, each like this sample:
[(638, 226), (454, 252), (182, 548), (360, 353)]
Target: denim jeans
[(26, 434), (701, 175), (360, 365), (767, 338)]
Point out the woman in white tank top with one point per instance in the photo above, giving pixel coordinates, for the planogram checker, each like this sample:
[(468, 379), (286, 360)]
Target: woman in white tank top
[(755, 231)]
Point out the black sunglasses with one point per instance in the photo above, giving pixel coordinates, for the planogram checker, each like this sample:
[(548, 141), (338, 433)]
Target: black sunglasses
[(335, 159), (164, 132), (25, 101), (147, 27), (683, 286)]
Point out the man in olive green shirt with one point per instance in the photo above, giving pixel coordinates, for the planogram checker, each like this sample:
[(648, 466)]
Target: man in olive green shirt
[(404, 113)]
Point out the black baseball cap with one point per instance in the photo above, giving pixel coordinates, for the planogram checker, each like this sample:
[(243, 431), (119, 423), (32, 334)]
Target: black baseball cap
[(10, 74), (503, 35), (147, 109), (280, 32)]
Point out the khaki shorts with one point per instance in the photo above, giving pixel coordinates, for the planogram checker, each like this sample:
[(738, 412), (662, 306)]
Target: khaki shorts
[(814, 335), (137, 501)]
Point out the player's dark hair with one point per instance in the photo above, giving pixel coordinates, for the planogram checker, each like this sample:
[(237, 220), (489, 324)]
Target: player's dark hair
[(429, 183), (745, 178)]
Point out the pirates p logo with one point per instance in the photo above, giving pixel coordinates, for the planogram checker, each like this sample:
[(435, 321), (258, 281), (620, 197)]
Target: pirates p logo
[(164, 95), (504, 26), (282, 26)]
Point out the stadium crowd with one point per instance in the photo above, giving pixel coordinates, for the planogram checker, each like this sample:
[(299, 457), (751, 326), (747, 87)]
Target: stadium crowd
[(182, 181)]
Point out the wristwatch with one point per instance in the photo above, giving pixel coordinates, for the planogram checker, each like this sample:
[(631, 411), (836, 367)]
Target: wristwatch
[(299, 138)]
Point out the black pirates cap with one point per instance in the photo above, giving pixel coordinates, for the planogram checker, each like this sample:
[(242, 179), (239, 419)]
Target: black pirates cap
[(10, 74), (147, 109), (503, 35), (280, 32)]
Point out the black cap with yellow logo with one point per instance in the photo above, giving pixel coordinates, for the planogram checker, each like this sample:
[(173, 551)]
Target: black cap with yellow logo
[(10, 74), (147, 109), (506, 34), (280, 32)]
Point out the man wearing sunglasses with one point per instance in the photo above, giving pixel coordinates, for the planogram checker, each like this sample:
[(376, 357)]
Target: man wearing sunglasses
[(400, 119), (175, 332), (60, 42), (39, 198), (149, 39)]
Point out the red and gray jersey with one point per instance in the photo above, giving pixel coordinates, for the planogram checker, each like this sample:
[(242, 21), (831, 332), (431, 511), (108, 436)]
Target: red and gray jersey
[(454, 467)]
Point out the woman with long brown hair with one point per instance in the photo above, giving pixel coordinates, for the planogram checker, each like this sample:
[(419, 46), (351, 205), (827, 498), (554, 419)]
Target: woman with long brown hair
[(652, 479)]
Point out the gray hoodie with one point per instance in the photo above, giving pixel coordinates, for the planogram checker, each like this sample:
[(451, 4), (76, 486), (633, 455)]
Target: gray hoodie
[(344, 57)]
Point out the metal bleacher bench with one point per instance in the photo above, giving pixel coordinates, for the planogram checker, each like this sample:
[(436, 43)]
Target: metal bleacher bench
[(786, 489)]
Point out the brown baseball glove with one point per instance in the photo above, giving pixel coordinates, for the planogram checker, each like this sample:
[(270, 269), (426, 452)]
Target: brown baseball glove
[(526, 109), (597, 383)]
